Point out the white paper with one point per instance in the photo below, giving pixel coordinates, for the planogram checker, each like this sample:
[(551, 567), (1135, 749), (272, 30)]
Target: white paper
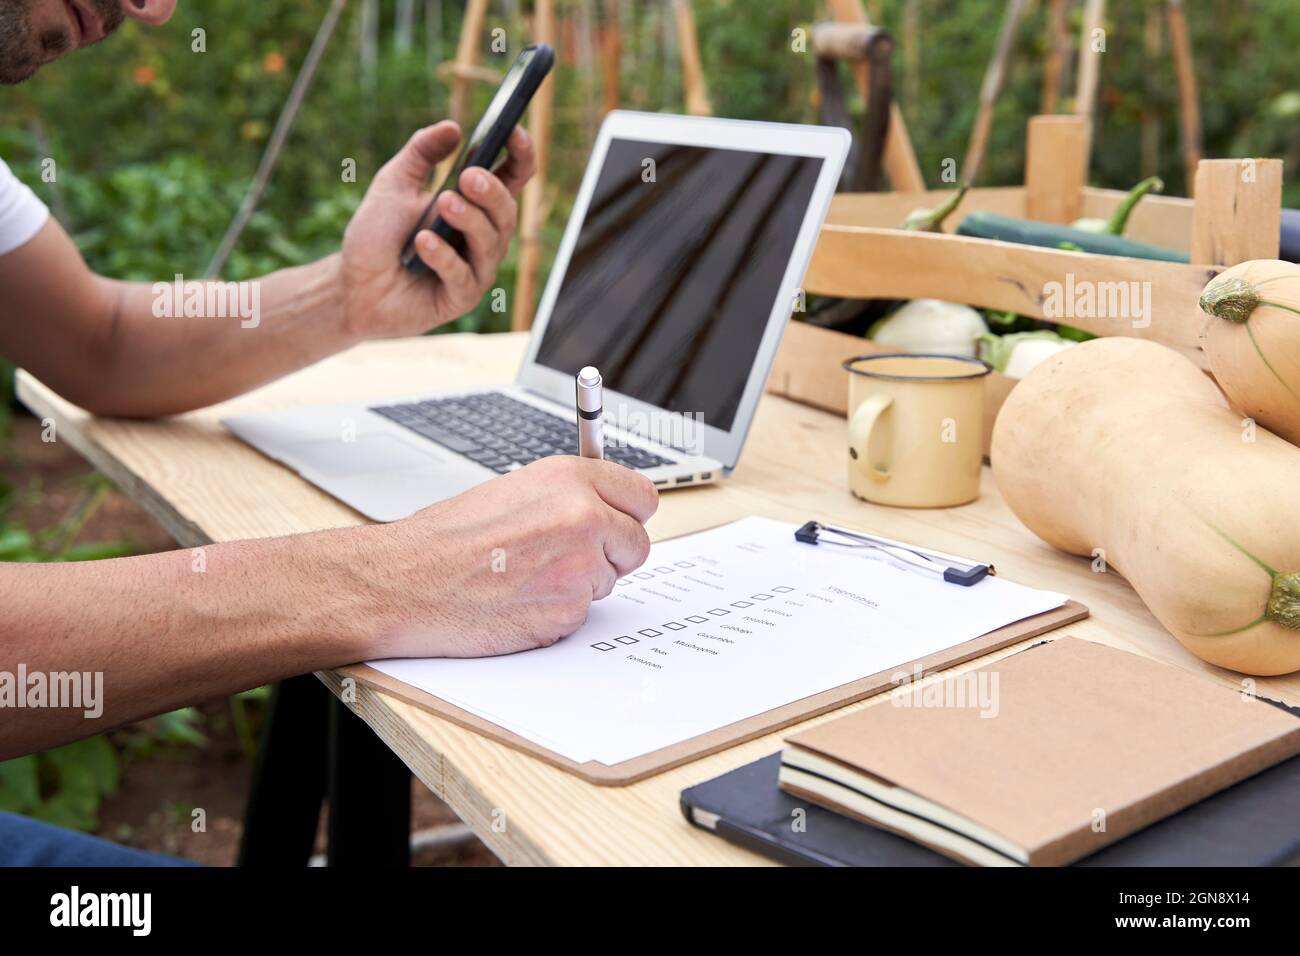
[(714, 628)]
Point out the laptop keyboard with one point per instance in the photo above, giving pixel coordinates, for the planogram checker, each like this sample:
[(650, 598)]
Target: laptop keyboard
[(502, 433)]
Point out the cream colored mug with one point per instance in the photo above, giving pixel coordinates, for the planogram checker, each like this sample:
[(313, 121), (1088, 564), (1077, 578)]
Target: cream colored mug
[(916, 429)]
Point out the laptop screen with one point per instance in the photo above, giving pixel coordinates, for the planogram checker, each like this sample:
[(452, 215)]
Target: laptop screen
[(675, 272)]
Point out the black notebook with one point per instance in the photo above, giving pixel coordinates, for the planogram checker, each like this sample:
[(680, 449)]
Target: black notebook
[(1253, 823)]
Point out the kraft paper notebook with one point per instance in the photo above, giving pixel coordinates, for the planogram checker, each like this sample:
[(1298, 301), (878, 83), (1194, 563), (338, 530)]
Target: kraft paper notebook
[(722, 636), (1082, 745)]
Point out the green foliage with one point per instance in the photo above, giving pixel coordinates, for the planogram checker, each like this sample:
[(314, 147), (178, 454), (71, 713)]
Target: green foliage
[(64, 786)]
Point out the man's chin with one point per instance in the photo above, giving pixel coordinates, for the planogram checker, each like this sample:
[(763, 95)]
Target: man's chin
[(12, 76)]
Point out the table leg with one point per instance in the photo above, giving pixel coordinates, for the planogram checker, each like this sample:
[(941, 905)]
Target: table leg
[(289, 776), (369, 796)]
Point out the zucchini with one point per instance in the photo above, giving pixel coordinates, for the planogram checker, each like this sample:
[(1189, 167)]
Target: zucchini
[(1026, 232)]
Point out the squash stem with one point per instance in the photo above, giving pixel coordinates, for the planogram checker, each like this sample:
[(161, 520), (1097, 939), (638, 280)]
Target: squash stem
[(931, 220), (1232, 299), (1119, 218), (1284, 602)]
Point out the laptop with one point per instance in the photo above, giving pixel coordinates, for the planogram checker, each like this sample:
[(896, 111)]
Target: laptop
[(677, 273)]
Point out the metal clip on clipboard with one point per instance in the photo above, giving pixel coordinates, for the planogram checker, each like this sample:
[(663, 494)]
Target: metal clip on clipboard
[(953, 570)]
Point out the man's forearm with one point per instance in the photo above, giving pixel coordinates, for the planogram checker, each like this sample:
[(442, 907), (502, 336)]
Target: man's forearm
[(172, 347), (168, 630)]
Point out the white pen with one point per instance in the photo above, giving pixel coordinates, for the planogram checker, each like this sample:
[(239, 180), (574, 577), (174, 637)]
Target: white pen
[(590, 395)]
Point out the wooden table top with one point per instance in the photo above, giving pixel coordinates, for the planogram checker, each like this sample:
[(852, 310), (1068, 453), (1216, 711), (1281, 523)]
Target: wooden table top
[(205, 487)]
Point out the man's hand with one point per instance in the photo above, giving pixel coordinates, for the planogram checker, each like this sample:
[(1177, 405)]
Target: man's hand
[(512, 564), (381, 299)]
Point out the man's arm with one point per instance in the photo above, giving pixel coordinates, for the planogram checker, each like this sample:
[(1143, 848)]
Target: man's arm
[(171, 629), (104, 345)]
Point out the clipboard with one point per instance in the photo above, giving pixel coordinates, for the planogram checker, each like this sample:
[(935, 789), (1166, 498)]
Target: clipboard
[(685, 751)]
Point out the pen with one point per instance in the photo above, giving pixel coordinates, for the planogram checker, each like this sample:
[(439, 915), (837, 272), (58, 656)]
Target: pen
[(589, 391)]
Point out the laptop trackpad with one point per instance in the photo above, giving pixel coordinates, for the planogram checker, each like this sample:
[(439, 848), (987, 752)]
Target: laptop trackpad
[(367, 454)]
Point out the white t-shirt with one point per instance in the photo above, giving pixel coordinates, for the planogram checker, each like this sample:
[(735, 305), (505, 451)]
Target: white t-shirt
[(21, 213)]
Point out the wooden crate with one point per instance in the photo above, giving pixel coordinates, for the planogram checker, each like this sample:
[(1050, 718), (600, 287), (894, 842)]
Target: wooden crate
[(861, 254)]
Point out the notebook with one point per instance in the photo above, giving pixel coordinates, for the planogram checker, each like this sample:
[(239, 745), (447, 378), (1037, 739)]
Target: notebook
[(1041, 758), (1253, 823)]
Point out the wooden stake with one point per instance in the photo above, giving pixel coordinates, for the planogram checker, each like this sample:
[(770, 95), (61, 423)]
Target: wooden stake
[(694, 88), (1189, 109), (990, 90), (1058, 49), (283, 124), (467, 57), (1085, 102), (532, 216), (1152, 35), (611, 55), (912, 54)]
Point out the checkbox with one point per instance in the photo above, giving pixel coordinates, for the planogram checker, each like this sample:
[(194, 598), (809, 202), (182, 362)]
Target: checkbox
[(683, 564), (626, 640), (604, 646), (696, 619), (675, 626), (664, 570), (624, 582), (719, 611), (782, 590), (742, 603), (649, 632), (644, 575), (761, 597)]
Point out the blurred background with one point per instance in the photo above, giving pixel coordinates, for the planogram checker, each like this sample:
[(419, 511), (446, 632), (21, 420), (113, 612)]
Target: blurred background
[(156, 144)]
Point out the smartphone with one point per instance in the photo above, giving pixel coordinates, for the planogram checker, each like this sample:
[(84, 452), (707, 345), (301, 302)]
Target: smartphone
[(485, 146)]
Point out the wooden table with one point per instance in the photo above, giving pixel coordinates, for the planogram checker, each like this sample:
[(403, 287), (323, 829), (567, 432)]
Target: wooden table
[(205, 486)]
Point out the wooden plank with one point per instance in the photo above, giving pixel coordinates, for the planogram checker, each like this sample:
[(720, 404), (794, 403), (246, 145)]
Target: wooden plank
[(1238, 210), (525, 810), (1161, 220), (889, 210), (1056, 167), (867, 263)]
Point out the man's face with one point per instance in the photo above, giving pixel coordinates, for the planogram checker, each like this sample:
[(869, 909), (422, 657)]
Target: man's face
[(34, 32)]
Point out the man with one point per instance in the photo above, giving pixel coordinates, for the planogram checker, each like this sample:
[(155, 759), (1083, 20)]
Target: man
[(164, 636)]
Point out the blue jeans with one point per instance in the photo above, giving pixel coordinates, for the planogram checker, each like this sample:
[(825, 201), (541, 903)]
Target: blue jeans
[(27, 842)]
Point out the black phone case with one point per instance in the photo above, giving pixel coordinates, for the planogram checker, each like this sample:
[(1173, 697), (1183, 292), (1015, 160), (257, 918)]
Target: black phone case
[(493, 143)]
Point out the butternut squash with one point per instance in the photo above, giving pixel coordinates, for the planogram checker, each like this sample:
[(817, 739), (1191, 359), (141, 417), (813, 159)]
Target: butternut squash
[(1252, 340), (1123, 449)]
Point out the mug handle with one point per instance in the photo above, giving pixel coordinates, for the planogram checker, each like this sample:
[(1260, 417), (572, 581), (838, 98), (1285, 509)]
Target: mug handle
[(860, 428)]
